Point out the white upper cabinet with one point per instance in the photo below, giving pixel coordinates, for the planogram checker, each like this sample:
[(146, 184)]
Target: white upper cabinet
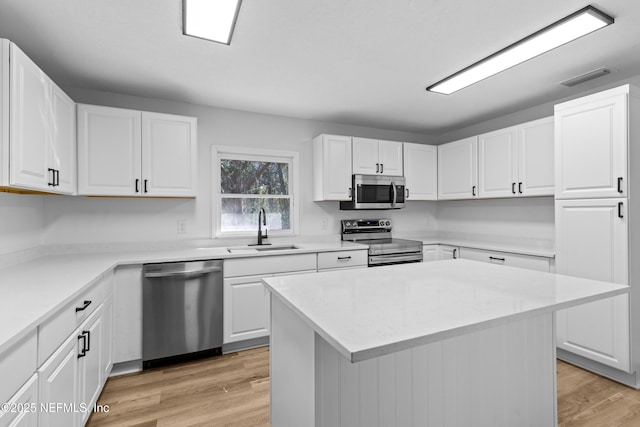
[(331, 167), (458, 169), (497, 163), (517, 161), (169, 155), (592, 242), (536, 158), (421, 171), (377, 157), (591, 145), (41, 129), (131, 153)]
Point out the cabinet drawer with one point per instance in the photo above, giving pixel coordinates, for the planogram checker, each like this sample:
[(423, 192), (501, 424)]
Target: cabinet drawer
[(255, 266), (340, 259), (55, 330), (506, 258), (17, 364), (23, 406)]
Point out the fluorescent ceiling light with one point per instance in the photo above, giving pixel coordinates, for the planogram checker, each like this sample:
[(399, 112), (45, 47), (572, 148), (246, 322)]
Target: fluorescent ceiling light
[(210, 19), (567, 29)]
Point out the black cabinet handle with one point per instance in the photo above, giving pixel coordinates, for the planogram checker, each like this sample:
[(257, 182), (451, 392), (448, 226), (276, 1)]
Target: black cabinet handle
[(53, 177), (620, 210), (473, 190), (513, 187), (344, 258), (57, 177), (137, 185), (377, 167), (350, 191), (83, 350), (145, 186), (86, 304), (381, 167), (407, 193), (455, 254), (88, 334), (520, 187), (496, 258), (620, 184)]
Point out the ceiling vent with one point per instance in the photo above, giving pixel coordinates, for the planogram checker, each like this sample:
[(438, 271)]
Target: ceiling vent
[(586, 77)]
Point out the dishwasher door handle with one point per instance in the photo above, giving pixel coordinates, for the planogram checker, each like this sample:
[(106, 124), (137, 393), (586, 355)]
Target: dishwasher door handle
[(183, 273)]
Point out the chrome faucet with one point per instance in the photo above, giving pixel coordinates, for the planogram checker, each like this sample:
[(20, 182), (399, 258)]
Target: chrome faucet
[(262, 220)]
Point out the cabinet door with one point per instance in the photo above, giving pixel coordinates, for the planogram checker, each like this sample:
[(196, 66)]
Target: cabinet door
[(29, 131), (535, 158), (89, 366), (449, 252), (506, 258), (26, 397), (169, 155), (497, 163), (591, 147), (127, 314), (106, 343), (246, 309), (109, 150), (62, 156), (591, 242), (332, 167), (365, 156), (430, 253), (421, 171), (58, 384), (390, 158), (458, 169)]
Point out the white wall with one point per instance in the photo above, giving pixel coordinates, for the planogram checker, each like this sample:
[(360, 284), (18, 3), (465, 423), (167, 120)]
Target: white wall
[(21, 222), (101, 220)]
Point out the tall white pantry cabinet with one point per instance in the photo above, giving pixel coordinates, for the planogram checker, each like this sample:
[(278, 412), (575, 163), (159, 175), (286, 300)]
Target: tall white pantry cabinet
[(597, 139)]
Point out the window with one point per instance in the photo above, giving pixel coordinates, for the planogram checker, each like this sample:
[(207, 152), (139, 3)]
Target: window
[(246, 180)]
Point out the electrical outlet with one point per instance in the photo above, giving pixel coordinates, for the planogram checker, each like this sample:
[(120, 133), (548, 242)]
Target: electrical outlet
[(324, 225), (182, 226)]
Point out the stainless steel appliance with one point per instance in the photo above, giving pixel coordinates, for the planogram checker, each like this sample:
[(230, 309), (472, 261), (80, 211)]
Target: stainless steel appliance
[(181, 311), (383, 249), (376, 192)]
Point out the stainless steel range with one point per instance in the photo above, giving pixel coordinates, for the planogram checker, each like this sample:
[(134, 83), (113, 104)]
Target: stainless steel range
[(383, 249)]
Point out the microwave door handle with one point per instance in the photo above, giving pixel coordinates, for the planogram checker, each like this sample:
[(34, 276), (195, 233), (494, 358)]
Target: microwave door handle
[(395, 194)]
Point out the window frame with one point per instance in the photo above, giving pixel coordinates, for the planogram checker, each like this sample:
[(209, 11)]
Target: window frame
[(219, 152)]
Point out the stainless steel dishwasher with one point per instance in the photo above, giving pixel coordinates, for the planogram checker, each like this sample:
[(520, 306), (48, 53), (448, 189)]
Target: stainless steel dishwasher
[(181, 311)]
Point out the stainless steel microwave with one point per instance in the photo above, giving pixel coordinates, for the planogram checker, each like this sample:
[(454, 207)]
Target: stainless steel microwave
[(376, 192)]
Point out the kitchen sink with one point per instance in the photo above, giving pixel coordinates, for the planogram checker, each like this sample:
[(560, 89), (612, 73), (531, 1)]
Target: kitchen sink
[(249, 249)]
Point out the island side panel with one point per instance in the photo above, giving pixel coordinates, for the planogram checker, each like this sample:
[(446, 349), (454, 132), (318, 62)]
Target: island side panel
[(501, 376), (292, 365)]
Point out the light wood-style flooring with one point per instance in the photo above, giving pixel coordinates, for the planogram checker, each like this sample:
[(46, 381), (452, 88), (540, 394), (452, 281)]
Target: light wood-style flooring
[(233, 390)]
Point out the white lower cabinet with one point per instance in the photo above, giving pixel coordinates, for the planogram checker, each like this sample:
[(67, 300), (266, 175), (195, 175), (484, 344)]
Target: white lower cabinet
[(342, 259), (23, 406), (448, 252), (430, 252), (127, 314), (506, 258)]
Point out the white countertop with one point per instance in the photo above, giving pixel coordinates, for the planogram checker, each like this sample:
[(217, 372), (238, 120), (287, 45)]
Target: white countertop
[(33, 291), (370, 312)]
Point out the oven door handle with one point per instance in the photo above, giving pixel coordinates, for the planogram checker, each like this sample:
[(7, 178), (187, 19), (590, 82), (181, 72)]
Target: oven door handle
[(392, 258), (395, 194)]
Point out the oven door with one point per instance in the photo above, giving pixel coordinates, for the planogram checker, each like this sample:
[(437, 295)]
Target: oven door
[(389, 259), (378, 192)]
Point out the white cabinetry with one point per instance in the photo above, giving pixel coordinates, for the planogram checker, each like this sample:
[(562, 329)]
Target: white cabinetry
[(127, 314), (506, 258), (595, 203), (458, 169), (17, 365), (517, 161), (331, 167), (448, 252), (342, 259), (377, 157), (131, 153), (26, 397), (431, 253), (421, 171), (246, 301), (591, 153), (591, 242), (40, 154)]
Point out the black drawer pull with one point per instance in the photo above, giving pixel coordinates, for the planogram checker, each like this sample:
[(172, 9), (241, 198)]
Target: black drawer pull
[(620, 184), (145, 186), (473, 190), (137, 185), (57, 175), (86, 304), (520, 187), (344, 258), (496, 258), (620, 210), (53, 177), (455, 252), (88, 335), (377, 167), (513, 187), (381, 167), (83, 350)]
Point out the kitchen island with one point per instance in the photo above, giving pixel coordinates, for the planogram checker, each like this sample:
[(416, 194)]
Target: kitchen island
[(445, 343)]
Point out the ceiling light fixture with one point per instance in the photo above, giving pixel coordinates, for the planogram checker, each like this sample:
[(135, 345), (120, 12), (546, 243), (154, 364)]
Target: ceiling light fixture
[(210, 19), (563, 31)]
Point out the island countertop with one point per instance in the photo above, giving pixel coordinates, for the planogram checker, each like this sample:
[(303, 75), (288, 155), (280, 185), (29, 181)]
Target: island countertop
[(369, 312)]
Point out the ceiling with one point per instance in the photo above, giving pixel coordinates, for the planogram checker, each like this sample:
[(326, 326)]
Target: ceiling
[(356, 62)]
